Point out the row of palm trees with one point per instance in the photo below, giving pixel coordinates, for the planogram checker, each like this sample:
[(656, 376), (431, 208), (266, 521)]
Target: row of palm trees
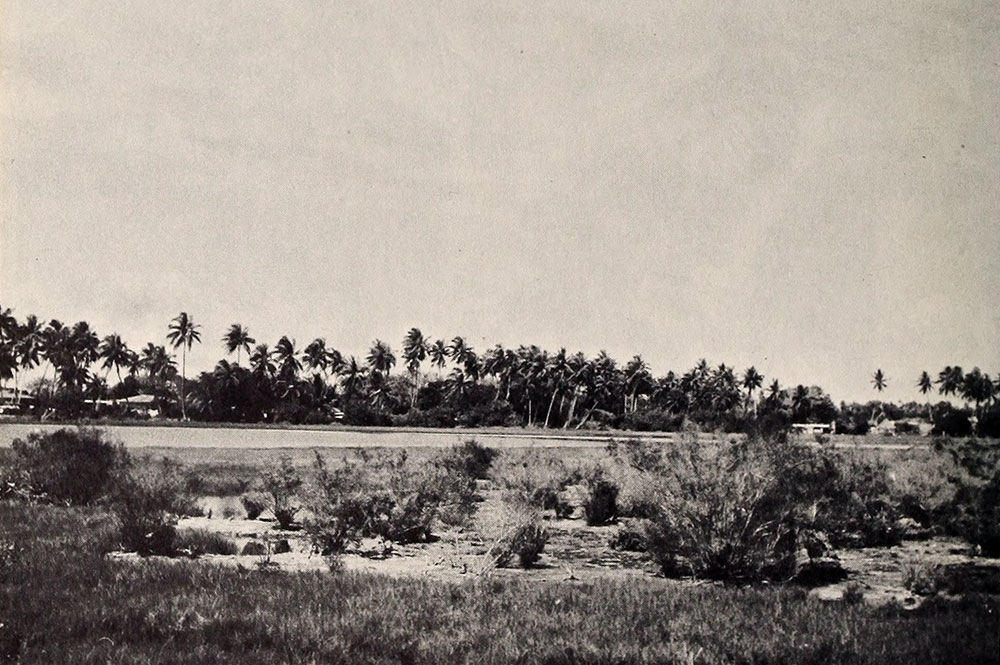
[(550, 389)]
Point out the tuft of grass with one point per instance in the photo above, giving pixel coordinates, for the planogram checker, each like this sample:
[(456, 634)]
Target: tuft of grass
[(203, 541)]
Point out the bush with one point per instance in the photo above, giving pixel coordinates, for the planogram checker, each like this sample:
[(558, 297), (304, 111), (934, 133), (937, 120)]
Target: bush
[(203, 541), (338, 509), (470, 458), (519, 533), (72, 466), (282, 483), (254, 504), (601, 504), (146, 501), (721, 512)]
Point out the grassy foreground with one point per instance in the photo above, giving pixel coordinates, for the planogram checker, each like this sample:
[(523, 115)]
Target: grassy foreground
[(61, 601)]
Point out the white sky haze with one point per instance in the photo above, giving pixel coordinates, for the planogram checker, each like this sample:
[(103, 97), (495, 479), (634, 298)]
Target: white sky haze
[(814, 190)]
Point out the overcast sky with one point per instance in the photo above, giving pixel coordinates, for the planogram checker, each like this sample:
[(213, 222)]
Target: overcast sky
[(814, 190)]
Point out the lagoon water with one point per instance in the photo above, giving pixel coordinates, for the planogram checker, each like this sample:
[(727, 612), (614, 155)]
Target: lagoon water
[(152, 436)]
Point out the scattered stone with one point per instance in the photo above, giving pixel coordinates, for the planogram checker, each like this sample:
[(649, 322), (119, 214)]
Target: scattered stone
[(816, 571), (255, 547)]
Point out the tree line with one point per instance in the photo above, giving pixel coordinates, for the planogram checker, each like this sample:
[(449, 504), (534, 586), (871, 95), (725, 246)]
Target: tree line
[(432, 382)]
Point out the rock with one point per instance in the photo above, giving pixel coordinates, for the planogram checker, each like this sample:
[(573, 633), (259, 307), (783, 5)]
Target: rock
[(815, 543), (282, 546), (816, 571), (911, 529), (255, 547)]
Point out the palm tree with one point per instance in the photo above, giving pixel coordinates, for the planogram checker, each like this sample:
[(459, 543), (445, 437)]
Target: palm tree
[(237, 339), (315, 356), (636, 378), (182, 332), (287, 356), (925, 385), (880, 383), (353, 375), (879, 380), (950, 380), (116, 354), (261, 365), (381, 358), (414, 352), (558, 370), (977, 387), (8, 325), (774, 391), (438, 352), (27, 349), (159, 364), (752, 380), (459, 350)]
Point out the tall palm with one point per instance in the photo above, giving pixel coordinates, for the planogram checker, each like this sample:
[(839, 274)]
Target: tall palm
[(774, 391), (459, 350), (27, 348), (237, 339), (414, 353), (977, 387), (116, 354), (183, 332), (879, 381), (438, 353), (381, 359), (558, 371), (352, 376), (637, 378), (752, 380), (261, 365), (925, 385), (159, 364), (315, 356), (287, 358), (950, 380)]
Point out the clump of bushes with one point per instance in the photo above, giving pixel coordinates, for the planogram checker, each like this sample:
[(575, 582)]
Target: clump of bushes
[(69, 466), (282, 483), (387, 497)]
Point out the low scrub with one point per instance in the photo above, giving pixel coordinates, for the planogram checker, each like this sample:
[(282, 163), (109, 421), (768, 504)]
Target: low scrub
[(254, 503), (601, 503), (73, 466)]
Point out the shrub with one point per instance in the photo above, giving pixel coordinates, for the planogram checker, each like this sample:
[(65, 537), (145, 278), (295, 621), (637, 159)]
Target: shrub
[(282, 483), (517, 533), (601, 504), (203, 541), (470, 458), (146, 502), (254, 504), (338, 511), (74, 466), (721, 512)]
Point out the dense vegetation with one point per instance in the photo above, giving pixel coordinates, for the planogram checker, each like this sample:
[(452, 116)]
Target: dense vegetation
[(444, 384)]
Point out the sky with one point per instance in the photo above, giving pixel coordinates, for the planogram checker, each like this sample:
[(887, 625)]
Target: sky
[(814, 190)]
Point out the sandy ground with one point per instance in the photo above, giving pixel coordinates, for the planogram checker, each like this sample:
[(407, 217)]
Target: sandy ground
[(576, 551)]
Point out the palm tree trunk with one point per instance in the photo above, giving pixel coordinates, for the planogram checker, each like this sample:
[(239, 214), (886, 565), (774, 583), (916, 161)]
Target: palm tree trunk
[(549, 412), (183, 373), (572, 409), (584, 420)]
